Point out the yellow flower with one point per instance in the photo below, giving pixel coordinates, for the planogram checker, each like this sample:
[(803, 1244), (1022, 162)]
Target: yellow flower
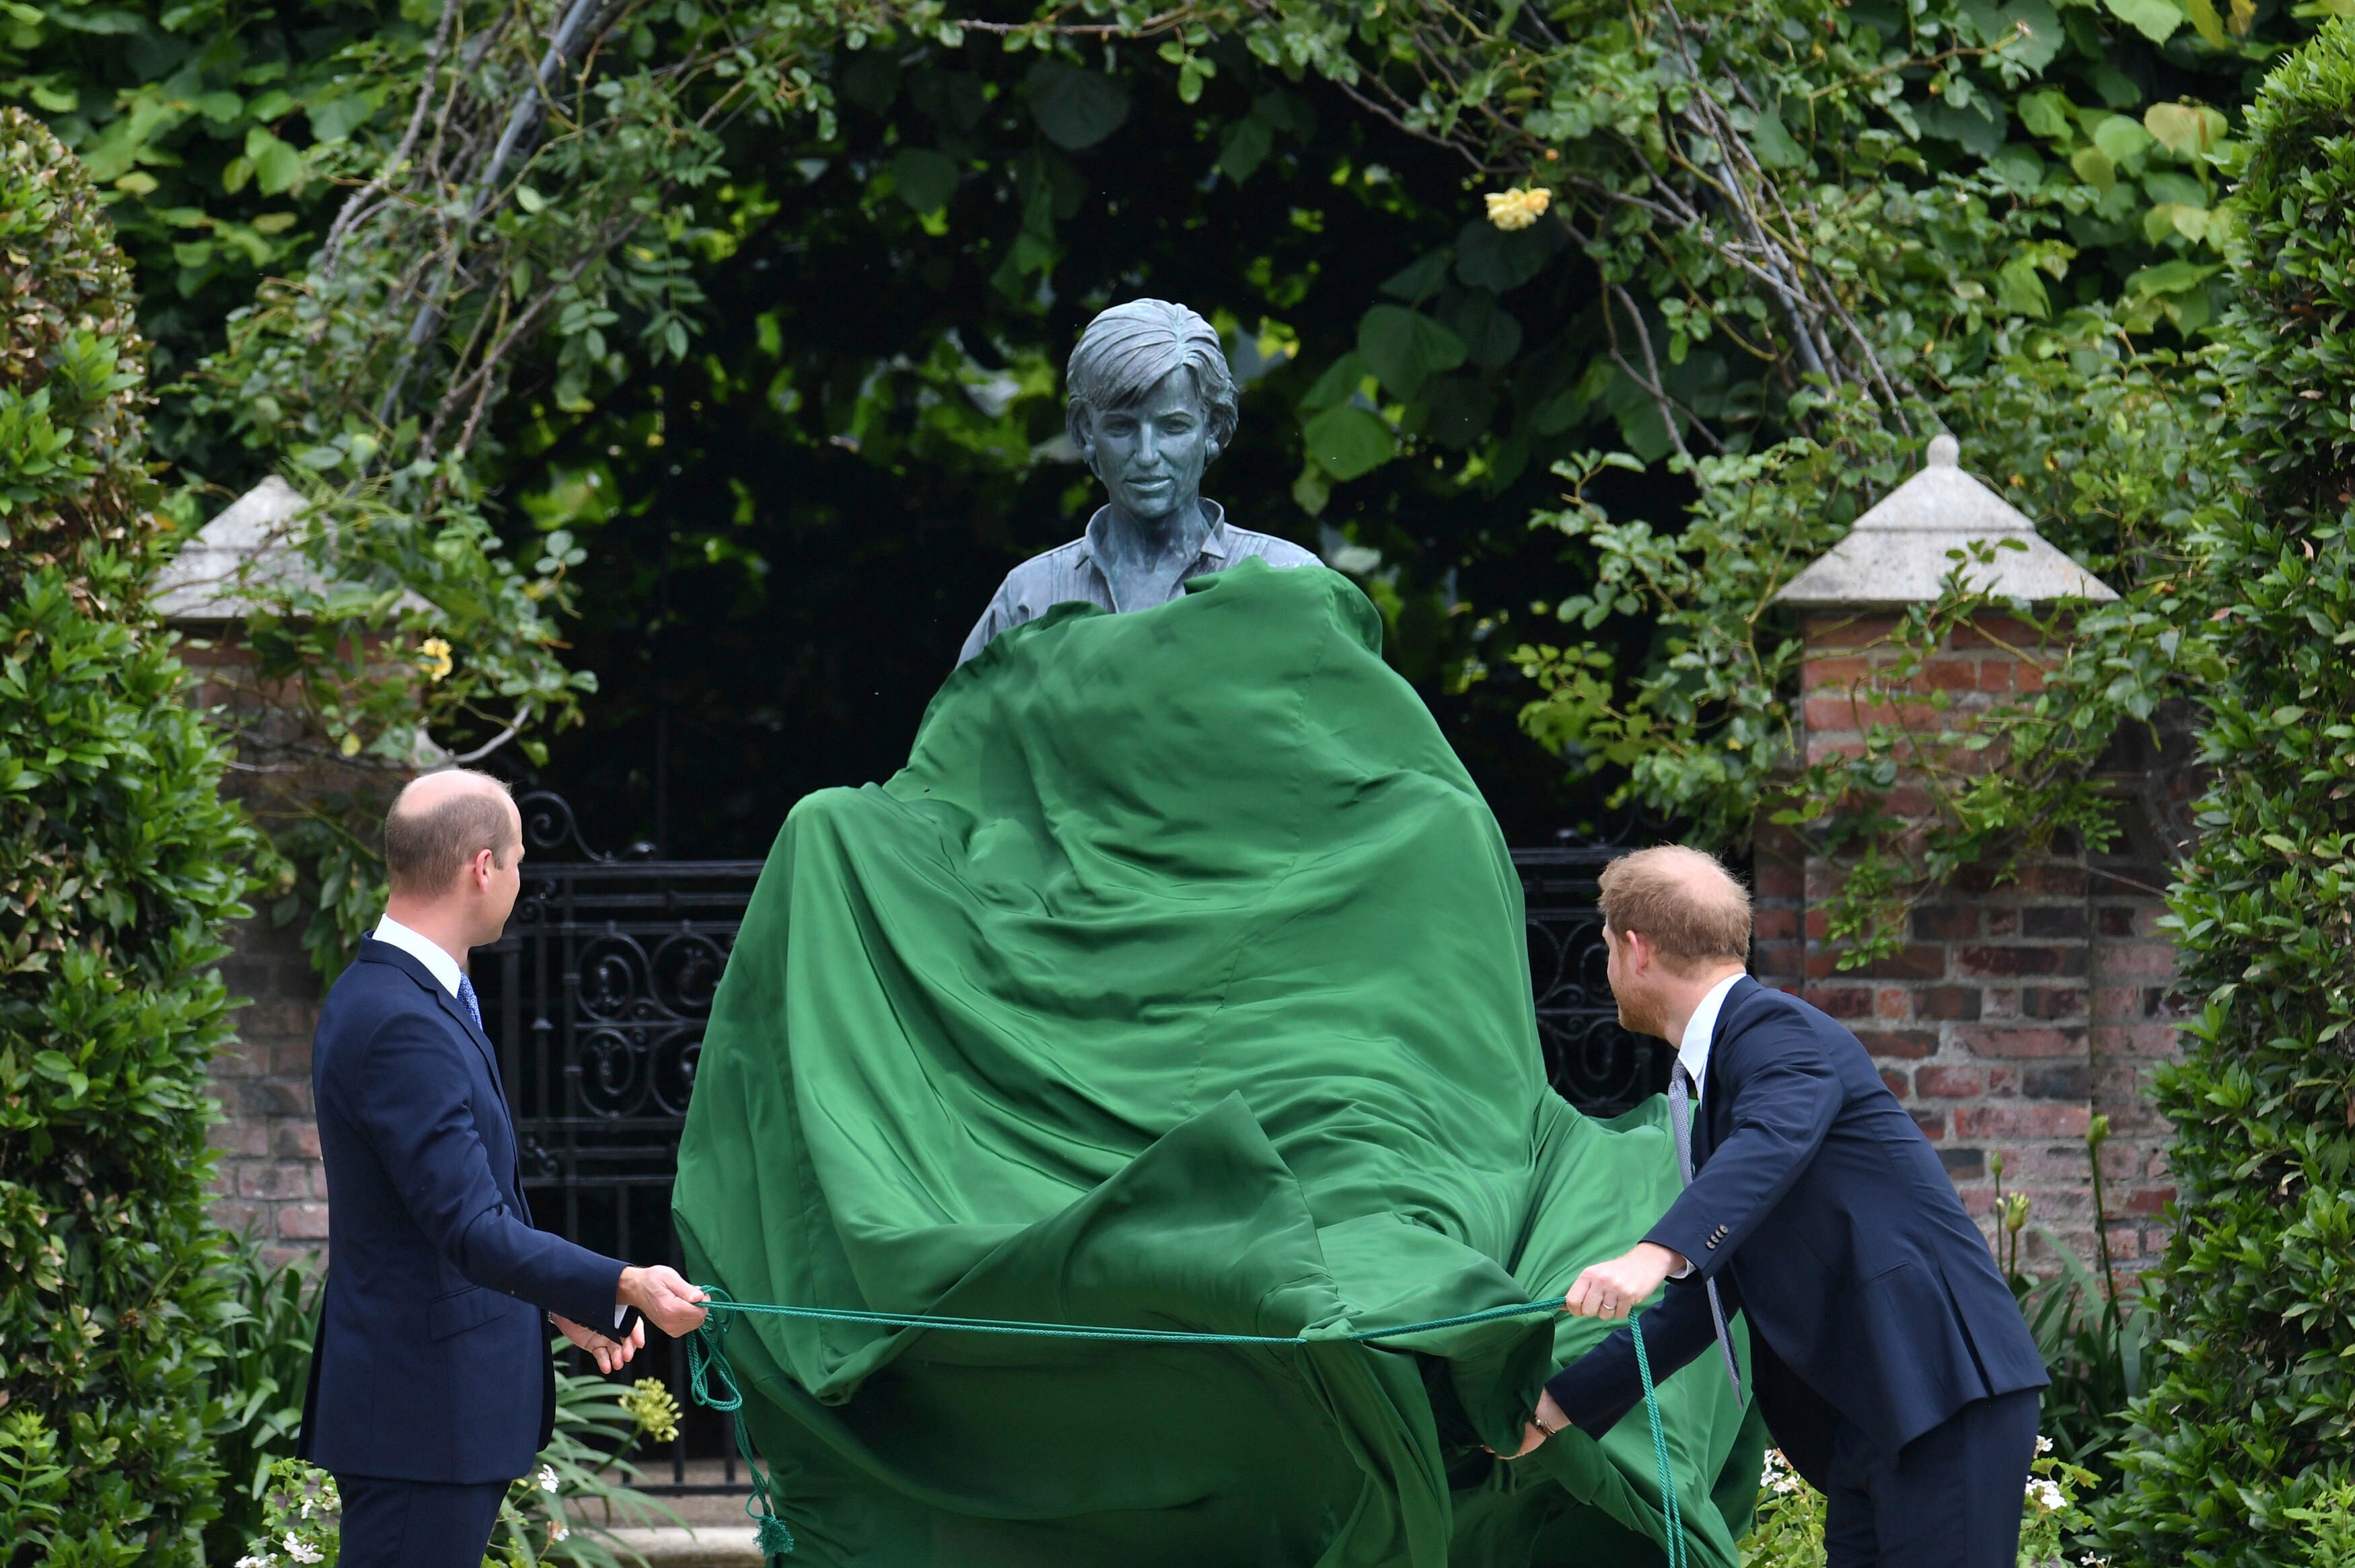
[(649, 1404), (436, 662), (1517, 209)]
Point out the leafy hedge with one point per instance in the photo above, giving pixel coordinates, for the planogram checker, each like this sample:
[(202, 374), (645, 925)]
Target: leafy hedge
[(119, 865), (2252, 1425)]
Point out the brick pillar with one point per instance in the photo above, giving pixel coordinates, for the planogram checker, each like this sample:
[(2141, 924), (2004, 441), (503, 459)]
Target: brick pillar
[(2015, 1010), (270, 1182)]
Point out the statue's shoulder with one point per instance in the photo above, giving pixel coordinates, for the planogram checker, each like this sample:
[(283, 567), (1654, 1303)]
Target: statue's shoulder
[(1275, 552), (1048, 578)]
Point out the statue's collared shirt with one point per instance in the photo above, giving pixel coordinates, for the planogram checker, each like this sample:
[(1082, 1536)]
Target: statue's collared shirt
[(1071, 572)]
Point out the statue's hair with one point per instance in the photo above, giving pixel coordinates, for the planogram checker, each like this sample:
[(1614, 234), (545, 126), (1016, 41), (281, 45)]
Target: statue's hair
[(1129, 348)]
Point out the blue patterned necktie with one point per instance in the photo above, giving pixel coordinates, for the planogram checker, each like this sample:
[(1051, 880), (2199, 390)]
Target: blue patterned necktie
[(1681, 1123), (466, 995)]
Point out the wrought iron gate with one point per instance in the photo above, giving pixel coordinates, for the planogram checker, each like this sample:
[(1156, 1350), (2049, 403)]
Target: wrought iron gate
[(598, 995)]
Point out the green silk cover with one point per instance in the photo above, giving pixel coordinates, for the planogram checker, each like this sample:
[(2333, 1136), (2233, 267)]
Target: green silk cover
[(1179, 981)]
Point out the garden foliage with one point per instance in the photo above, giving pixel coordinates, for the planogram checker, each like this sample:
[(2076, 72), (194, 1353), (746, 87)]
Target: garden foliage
[(119, 865), (1912, 203), (2251, 1421)]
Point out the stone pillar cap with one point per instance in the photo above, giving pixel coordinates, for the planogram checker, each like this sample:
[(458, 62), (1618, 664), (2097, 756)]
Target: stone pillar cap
[(1897, 552), (200, 586)]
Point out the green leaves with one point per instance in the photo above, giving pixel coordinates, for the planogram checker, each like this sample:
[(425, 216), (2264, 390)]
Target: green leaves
[(1075, 108), (124, 865), (2154, 19), (2248, 1419), (1403, 347), (1348, 441), (923, 180)]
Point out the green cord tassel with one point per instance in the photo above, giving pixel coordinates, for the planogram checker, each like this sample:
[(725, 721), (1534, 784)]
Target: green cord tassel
[(774, 1539)]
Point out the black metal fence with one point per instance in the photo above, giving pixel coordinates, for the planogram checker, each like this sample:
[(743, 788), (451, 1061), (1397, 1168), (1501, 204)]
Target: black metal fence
[(598, 993)]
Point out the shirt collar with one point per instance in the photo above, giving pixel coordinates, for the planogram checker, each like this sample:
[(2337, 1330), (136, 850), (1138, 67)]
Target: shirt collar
[(1700, 1029), (1214, 543), (438, 962)]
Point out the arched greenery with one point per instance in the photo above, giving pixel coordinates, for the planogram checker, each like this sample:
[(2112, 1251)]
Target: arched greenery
[(1946, 212)]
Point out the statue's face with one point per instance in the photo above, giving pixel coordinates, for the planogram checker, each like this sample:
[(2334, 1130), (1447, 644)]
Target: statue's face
[(1151, 456)]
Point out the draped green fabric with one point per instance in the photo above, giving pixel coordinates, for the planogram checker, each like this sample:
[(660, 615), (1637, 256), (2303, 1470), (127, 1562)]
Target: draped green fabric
[(1179, 981)]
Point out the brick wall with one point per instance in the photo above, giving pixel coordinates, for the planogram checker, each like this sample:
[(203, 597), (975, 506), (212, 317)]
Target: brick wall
[(270, 1180), (2016, 1011)]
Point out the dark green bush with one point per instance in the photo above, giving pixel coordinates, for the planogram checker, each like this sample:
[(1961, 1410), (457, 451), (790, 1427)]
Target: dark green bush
[(119, 866), (2251, 1421)]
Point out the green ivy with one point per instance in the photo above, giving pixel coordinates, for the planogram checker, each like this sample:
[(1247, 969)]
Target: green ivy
[(120, 867)]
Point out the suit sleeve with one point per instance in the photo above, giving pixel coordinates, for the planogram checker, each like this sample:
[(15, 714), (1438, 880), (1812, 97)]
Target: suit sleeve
[(1603, 1385), (1784, 1093), (414, 1107)]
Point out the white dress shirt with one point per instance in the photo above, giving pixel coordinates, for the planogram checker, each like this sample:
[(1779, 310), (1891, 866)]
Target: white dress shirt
[(1692, 1054), (1692, 1051), (424, 950)]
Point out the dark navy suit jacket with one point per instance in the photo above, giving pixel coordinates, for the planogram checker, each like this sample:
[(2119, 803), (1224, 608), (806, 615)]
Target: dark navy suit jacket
[(1824, 1215), (431, 1363)]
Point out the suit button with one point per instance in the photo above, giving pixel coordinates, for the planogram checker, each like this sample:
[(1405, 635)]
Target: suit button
[(1712, 1244)]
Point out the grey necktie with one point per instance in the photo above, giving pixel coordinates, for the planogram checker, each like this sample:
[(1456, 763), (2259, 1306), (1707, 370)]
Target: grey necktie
[(1681, 1123)]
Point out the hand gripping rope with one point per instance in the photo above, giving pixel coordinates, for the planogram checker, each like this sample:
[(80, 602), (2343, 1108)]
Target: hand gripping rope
[(713, 1382)]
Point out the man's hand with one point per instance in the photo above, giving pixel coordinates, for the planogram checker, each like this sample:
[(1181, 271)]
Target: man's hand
[(670, 1303), (612, 1355), (1616, 1289), (1550, 1419)]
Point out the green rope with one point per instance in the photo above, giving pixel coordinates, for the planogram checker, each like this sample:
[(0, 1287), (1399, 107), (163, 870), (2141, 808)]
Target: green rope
[(1674, 1521), (707, 1359), (713, 1382)]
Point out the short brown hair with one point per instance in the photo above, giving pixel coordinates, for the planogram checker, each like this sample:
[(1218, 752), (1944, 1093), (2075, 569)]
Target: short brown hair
[(1683, 900), (425, 849)]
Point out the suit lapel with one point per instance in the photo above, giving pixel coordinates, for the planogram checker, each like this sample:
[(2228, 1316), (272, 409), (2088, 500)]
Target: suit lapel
[(385, 953), (1714, 1092)]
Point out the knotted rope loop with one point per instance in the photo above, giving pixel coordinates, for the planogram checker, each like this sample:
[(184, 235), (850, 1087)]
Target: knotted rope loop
[(707, 1355)]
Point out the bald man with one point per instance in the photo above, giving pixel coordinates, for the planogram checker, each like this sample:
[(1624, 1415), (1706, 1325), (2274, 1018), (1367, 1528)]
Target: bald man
[(1888, 1356), (431, 1386)]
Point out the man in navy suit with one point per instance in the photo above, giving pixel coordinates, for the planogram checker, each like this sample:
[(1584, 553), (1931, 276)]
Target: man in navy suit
[(1888, 1356), (431, 1385)]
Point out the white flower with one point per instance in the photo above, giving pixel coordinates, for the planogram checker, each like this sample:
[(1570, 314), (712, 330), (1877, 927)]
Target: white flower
[(302, 1552), (2046, 1496), (2093, 1560), (548, 1478), (561, 1534), (2044, 1445), (262, 1560)]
